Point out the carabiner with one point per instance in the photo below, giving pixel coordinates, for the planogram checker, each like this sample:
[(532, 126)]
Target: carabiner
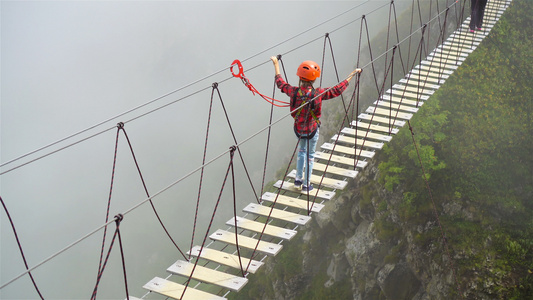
[(241, 70)]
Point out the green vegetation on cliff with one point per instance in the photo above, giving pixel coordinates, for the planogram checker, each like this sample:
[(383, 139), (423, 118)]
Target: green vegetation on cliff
[(475, 137)]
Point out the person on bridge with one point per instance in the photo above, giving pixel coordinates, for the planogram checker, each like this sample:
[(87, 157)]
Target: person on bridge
[(306, 109), (476, 16)]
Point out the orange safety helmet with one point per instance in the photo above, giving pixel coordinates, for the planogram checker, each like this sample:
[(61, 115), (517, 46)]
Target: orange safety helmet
[(308, 70)]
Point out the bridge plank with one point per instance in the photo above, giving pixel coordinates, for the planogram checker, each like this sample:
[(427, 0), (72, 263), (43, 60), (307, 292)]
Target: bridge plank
[(381, 120), (350, 150), (402, 100), (340, 159), (423, 79), (203, 274), (389, 113), (430, 74), (436, 68), (334, 170), (403, 107), (174, 290), (446, 55), (226, 259), (363, 133), (385, 129), (460, 45), (344, 160), (246, 242), (319, 193), (292, 202), (458, 48), (452, 50), (326, 181), (437, 63), (416, 90), (405, 94), (275, 231), (278, 214), (464, 36), (353, 141)]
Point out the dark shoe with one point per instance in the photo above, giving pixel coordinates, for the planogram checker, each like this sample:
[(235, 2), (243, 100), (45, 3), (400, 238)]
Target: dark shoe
[(298, 184), (472, 31), (306, 188)]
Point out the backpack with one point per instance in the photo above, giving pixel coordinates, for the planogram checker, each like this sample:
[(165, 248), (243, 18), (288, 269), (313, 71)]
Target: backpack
[(300, 98)]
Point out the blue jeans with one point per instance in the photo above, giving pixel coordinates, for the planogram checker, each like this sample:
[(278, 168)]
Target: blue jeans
[(301, 160)]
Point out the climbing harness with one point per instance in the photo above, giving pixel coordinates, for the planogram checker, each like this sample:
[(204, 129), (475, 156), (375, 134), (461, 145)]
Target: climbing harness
[(254, 91)]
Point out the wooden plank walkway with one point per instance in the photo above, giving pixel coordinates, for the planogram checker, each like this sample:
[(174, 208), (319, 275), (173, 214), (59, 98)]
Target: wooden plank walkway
[(290, 207)]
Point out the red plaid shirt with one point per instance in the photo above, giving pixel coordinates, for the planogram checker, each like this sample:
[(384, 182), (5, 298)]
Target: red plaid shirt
[(304, 121)]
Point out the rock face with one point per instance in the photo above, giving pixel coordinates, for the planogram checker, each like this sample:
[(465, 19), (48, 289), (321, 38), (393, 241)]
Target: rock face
[(348, 246)]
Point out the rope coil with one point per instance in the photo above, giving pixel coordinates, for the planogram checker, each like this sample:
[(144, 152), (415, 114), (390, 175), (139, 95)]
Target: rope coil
[(254, 91)]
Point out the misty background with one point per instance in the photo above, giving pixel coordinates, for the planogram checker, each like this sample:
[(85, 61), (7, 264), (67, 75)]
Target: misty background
[(68, 65)]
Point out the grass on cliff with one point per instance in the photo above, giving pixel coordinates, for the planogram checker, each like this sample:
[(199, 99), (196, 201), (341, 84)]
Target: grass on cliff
[(475, 138)]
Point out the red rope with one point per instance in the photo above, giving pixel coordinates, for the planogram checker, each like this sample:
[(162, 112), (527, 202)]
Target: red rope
[(249, 85)]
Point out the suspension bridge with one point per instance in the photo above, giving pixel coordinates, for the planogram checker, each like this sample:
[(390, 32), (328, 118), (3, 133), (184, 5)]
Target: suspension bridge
[(212, 270), (260, 229)]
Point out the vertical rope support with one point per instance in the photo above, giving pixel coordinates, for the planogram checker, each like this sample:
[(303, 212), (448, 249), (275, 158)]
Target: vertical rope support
[(149, 197), (238, 149), (118, 219), (120, 126), (20, 248), (232, 150), (214, 86)]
